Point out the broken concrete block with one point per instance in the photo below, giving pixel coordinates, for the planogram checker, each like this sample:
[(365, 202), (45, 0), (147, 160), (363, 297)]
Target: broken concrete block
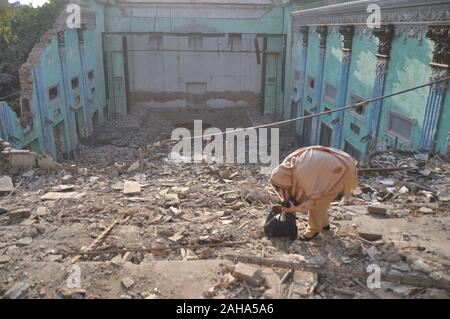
[(6, 185), (117, 260), (131, 188), (24, 241), (176, 238), (127, 257), (42, 211), (4, 259), (68, 293), (404, 190), (68, 179), (421, 266), (127, 282), (3, 210), (188, 254), (17, 290), (425, 172), (425, 210), (171, 200), (377, 210), (370, 236), (133, 167), (248, 274), (388, 182), (273, 283), (175, 212), (68, 195), (305, 283), (401, 266), (19, 213), (180, 190), (46, 162), (63, 188)]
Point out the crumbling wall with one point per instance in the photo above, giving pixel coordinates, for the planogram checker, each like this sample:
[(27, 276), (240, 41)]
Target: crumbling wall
[(54, 123)]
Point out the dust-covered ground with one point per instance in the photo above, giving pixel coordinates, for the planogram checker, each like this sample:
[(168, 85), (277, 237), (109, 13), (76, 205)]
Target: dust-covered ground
[(117, 222)]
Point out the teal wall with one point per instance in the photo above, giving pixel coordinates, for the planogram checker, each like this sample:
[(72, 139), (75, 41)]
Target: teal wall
[(332, 72), (360, 83), (408, 66), (56, 65)]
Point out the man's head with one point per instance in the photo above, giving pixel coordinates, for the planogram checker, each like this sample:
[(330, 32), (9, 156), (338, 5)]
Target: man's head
[(281, 177), (281, 180)]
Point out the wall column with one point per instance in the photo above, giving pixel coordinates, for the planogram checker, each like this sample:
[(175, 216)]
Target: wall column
[(305, 37), (322, 31), (439, 70), (385, 35), (347, 32)]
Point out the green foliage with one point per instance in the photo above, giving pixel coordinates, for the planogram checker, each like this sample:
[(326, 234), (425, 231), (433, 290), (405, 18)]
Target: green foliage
[(20, 29)]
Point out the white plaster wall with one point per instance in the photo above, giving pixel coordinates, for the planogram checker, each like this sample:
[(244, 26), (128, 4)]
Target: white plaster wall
[(169, 71)]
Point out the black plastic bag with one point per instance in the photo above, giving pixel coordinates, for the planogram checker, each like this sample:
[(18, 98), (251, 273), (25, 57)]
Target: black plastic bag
[(274, 227)]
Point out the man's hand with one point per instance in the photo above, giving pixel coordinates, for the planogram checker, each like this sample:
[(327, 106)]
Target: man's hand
[(291, 209)]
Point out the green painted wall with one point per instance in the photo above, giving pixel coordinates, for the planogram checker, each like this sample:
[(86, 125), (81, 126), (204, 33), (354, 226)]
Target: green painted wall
[(361, 83), (408, 67)]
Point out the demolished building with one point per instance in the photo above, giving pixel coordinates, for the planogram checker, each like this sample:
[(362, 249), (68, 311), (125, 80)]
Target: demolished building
[(266, 53)]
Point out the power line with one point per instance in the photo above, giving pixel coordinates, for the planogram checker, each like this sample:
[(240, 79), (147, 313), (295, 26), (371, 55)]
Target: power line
[(363, 103)]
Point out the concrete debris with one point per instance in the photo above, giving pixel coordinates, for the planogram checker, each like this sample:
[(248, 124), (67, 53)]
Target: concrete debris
[(133, 167), (17, 290), (42, 211), (4, 259), (26, 241), (26, 160), (68, 195), (370, 236), (6, 185), (63, 188), (19, 213), (248, 274), (131, 188), (68, 179), (425, 210), (377, 210), (422, 266), (304, 283), (68, 293), (127, 282), (173, 222)]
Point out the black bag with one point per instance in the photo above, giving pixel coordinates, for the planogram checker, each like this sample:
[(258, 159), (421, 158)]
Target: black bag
[(274, 227)]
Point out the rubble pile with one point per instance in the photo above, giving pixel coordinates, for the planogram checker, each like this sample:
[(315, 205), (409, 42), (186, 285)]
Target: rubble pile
[(144, 226)]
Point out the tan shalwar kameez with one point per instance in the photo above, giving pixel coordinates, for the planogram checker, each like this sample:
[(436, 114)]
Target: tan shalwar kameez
[(315, 175)]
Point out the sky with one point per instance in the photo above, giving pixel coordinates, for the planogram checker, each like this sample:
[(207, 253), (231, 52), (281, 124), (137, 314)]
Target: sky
[(33, 2)]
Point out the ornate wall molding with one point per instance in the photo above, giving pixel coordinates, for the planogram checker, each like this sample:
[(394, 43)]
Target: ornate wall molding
[(347, 32), (440, 35), (305, 35), (322, 31), (385, 34), (409, 16)]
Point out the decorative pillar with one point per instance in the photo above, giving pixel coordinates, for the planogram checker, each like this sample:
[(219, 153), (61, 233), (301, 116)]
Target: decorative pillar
[(440, 35), (385, 34), (322, 31), (347, 32), (66, 88), (305, 37)]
